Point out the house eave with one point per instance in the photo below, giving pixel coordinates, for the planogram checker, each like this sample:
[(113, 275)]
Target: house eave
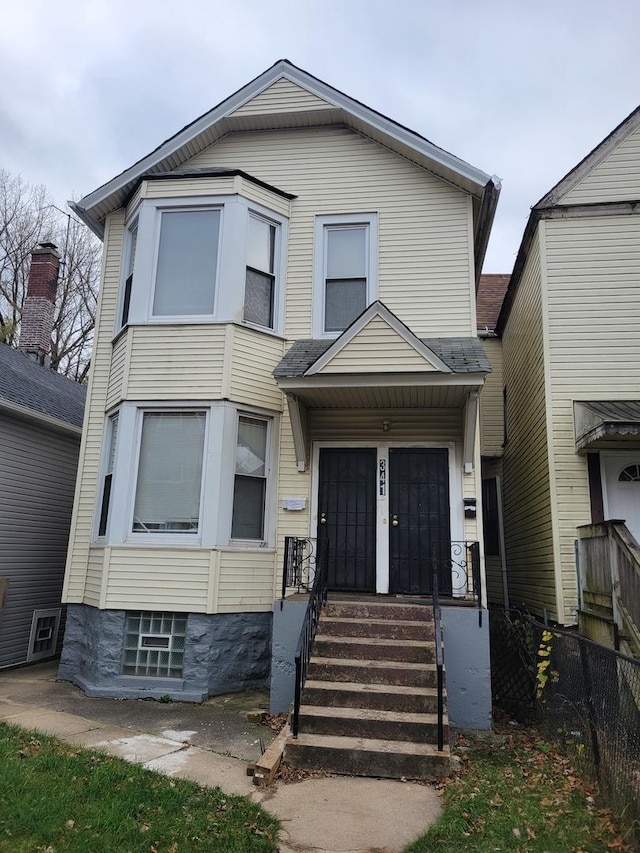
[(24, 413), (219, 121)]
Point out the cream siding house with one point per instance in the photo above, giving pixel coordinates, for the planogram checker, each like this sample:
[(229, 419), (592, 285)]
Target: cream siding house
[(570, 328), (287, 321)]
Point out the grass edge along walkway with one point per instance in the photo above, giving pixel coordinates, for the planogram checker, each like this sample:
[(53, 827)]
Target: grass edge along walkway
[(515, 792), (56, 797)]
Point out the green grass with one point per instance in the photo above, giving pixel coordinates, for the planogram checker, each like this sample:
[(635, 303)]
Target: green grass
[(515, 793), (54, 797)]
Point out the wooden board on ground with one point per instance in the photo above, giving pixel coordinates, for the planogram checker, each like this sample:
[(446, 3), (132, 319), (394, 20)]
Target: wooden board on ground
[(267, 765)]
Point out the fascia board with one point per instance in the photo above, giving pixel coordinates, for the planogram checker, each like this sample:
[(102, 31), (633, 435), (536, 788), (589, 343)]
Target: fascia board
[(378, 380), (314, 86), (33, 416)]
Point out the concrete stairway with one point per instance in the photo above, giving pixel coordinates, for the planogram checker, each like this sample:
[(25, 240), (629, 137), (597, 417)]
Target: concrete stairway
[(369, 706)]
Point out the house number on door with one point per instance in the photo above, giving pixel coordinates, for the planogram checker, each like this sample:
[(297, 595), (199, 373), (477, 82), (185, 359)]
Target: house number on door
[(383, 477)]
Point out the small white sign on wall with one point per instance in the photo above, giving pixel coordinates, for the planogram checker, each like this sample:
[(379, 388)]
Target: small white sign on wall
[(294, 504)]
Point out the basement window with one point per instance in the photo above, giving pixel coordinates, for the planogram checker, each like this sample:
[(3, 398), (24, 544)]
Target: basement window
[(44, 634), (154, 644)]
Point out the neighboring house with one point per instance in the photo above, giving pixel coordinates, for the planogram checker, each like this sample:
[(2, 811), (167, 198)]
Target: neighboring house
[(40, 426), (570, 330), (286, 345)]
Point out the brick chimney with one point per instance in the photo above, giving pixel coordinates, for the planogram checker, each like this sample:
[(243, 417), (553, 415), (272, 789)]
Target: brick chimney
[(36, 322)]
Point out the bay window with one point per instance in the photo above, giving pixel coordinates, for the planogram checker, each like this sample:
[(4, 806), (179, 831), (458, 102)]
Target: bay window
[(203, 259), (186, 475), (169, 479)]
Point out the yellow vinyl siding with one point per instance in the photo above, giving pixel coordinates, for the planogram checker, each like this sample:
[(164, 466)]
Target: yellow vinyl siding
[(117, 373), (255, 355), (176, 362), (593, 270), (158, 579), (377, 348), (90, 451), (491, 401), (526, 485), (93, 582), (283, 96), (425, 250), (246, 581), (616, 178)]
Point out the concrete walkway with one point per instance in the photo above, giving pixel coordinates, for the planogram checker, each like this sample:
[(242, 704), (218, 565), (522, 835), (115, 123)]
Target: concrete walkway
[(212, 744)]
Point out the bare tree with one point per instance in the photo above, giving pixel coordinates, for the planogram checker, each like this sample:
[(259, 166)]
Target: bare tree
[(28, 217)]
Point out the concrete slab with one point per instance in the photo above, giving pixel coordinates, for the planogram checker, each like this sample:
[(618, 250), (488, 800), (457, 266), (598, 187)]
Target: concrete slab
[(96, 738), (139, 749), (206, 768), (52, 722), (10, 709), (342, 814)]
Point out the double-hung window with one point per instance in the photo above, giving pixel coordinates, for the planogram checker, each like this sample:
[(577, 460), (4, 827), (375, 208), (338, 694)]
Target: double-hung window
[(187, 260), (128, 284), (112, 437), (169, 480), (259, 292), (345, 270), (250, 482)]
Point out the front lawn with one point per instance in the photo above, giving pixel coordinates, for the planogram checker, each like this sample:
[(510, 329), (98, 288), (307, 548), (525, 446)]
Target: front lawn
[(515, 793), (55, 797)]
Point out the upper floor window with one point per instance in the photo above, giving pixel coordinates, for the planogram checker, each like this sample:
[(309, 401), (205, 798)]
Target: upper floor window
[(187, 263), (345, 279), (205, 259), (107, 477), (260, 278)]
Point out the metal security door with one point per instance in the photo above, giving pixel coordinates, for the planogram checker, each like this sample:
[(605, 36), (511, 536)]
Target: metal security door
[(347, 516), (420, 525)]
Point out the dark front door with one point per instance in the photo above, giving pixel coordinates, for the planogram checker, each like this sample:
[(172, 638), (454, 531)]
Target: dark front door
[(419, 520), (347, 516)]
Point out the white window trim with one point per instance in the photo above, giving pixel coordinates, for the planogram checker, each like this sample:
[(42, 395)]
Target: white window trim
[(322, 223), (268, 525), (231, 261), (104, 468), (218, 474)]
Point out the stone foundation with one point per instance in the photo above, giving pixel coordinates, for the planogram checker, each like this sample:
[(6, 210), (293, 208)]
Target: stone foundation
[(224, 653)]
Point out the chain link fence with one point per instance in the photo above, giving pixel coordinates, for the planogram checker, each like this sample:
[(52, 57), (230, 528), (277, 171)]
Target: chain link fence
[(584, 696)]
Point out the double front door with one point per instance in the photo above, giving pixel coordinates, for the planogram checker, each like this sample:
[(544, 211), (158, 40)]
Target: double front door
[(397, 507)]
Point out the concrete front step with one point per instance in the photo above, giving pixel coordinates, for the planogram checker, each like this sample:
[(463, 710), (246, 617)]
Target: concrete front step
[(335, 626), (372, 671), (368, 756), (384, 697), (374, 648), (370, 723), (345, 609)]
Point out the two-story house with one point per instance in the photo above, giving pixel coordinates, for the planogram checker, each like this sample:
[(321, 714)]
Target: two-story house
[(569, 355), (286, 345)]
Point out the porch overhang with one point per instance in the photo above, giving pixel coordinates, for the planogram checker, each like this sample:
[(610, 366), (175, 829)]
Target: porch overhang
[(606, 424), (383, 392)]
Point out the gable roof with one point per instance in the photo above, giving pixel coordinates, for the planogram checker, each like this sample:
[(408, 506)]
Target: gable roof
[(28, 388), (550, 203), (460, 355), (232, 115)]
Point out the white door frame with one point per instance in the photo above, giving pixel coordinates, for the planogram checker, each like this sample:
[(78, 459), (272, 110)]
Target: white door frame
[(456, 513)]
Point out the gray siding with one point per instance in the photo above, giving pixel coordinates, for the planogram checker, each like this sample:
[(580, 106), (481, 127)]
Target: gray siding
[(37, 480)]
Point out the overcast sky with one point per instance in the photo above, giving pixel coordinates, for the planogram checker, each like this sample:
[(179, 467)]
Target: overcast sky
[(520, 89)]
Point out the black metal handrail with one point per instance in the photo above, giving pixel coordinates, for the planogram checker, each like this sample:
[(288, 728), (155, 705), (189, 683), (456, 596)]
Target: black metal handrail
[(300, 559), (465, 567), (437, 621), (317, 600)]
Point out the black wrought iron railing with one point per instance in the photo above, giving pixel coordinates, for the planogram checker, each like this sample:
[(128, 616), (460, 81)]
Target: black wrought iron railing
[(437, 622), (300, 562), (465, 570), (317, 600)]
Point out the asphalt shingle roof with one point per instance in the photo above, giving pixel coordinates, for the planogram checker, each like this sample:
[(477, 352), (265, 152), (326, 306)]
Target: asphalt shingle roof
[(491, 291), (462, 355), (38, 388)]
